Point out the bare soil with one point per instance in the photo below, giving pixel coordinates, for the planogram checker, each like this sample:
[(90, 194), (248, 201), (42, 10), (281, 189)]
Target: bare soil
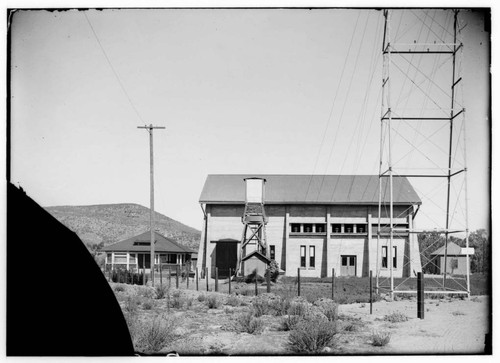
[(451, 326)]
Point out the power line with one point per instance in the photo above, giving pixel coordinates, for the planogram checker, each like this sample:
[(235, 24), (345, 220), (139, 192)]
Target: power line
[(112, 68)]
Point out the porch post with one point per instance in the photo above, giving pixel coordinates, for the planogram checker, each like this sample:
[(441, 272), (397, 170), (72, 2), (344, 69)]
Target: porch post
[(128, 260)]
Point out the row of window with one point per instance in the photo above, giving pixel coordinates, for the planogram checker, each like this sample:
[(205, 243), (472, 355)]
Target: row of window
[(321, 228), (121, 258)]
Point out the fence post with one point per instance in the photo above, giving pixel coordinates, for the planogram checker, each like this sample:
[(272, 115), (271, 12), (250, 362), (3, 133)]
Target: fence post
[(420, 296), (298, 281), (197, 278), (268, 280), (256, 286), (229, 281), (333, 283), (161, 276), (177, 276), (216, 279), (169, 277), (371, 292), (206, 276), (187, 277)]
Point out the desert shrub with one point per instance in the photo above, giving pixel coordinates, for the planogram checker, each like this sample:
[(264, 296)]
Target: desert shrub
[(298, 307), (119, 288), (380, 339), (161, 291), (147, 304), (176, 302), (312, 335), (131, 304), (475, 299), (213, 301), (288, 322), (396, 317), (201, 297), (280, 305), (248, 323), (352, 326), (189, 303), (455, 313), (261, 304), (251, 278), (273, 270), (146, 291), (228, 310), (154, 335), (233, 300), (328, 308)]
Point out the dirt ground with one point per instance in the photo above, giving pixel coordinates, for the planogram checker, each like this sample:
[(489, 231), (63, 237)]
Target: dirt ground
[(451, 326)]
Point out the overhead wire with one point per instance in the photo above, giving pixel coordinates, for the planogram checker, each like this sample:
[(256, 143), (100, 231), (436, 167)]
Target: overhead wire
[(112, 68)]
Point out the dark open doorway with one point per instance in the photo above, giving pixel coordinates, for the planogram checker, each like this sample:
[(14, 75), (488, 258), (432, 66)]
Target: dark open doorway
[(226, 255)]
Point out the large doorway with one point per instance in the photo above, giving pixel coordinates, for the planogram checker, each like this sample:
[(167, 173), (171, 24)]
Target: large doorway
[(348, 265), (226, 255)]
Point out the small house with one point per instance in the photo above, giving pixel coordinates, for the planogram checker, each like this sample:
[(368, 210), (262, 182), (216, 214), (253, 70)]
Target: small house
[(135, 253), (456, 260)]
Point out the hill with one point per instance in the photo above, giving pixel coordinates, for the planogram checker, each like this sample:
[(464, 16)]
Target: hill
[(110, 223)]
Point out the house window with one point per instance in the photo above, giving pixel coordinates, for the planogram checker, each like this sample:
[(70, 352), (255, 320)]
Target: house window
[(295, 228), (312, 257), (394, 257), (272, 252), (308, 228), (348, 228), (108, 258), (361, 228), (320, 228), (384, 256), (120, 258), (336, 228), (132, 258), (454, 263), (302, 256)]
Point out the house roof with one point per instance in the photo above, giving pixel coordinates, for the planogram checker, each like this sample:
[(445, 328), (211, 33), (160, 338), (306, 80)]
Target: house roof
[(310, 189), (162, 244), (453, 249)]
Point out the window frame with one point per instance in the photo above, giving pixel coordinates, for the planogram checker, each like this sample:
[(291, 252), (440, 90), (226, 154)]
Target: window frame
[(312, 256), (303, 256), (272, 252)]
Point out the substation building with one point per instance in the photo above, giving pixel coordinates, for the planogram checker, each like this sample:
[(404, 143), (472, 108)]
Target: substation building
[(315, 223)]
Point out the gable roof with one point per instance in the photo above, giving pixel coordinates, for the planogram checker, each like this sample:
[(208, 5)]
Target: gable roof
[(258, 255), (162, 244), (453, 249), (310, 189)]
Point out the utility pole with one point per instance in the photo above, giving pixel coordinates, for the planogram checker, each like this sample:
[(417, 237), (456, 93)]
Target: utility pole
[(150, 129)]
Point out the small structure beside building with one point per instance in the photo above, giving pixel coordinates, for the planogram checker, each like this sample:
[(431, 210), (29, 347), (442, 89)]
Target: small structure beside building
[(456, 260), (135, 253)]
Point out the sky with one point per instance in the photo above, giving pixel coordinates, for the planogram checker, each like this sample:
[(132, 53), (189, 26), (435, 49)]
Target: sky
[(240, 91)]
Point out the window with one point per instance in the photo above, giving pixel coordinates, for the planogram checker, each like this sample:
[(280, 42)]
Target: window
[(312, 261), (361, 228), (384, 256), (108, 258), (132, 258), (348, 228), (308, 228), (320, 228), (454, 263), (120, 258), (295, 228), (336, 228), (272, 252), (302, 256)]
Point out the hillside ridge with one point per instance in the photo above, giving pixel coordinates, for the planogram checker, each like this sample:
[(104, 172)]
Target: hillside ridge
[(111, 223)]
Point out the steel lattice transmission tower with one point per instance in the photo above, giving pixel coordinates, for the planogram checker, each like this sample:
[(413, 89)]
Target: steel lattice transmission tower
[(422, 138)]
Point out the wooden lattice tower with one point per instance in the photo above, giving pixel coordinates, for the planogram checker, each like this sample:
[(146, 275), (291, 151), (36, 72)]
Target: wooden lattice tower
[(254, 219)]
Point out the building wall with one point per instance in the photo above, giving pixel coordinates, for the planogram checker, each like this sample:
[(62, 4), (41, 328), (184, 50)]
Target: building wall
[(224, 222), (461, 268)]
